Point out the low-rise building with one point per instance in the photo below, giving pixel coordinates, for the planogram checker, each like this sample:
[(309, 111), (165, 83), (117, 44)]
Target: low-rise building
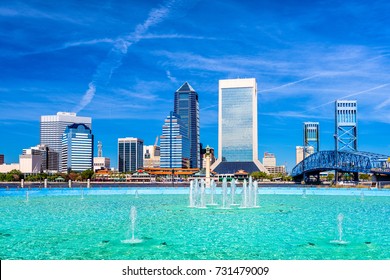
[(101, 163), (5, 168)]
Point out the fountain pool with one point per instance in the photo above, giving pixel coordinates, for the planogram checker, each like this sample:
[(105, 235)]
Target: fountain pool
[(57, 224)]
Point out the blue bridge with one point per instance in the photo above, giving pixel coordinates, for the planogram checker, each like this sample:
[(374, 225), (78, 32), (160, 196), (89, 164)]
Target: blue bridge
[(353, 162)]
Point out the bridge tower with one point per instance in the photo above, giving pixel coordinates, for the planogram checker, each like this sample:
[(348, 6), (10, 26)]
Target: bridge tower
[(346, 125), (346, 128)]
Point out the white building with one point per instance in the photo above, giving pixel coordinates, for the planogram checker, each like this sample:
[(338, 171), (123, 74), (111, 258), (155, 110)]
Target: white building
[(269, 160), (299, 151), (31, 163), (152, 156), (53, 126), (5, 168), (49, 158), (101, 163)]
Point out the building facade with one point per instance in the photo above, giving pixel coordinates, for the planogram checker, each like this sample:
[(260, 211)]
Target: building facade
[(174, 143), (49, 161), (300, 151), (311, 138), (30, 163), (237, 127), (5, 168), (101, 163), (53, 126), (1, 159), (77, 148), (130, 154), (269, 160), (152, 156), (186, 105)]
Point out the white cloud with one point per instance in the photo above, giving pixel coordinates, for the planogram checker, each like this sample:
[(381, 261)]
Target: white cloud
[(170, 77)]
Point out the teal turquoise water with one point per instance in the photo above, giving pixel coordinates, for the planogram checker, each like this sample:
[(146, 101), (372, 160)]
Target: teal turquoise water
[(59, 224)]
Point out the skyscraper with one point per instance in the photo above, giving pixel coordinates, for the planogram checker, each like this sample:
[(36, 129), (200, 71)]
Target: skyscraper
[(237, 127), (130, 154), (77, 148), (187, 107), (174, 143), (53, 126)]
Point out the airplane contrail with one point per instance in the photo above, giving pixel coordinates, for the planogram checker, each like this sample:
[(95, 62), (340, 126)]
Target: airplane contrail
[(114, 58), (291, 83), (350, 95)]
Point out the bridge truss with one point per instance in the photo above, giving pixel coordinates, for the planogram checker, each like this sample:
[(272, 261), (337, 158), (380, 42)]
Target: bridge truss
[(342, 162)]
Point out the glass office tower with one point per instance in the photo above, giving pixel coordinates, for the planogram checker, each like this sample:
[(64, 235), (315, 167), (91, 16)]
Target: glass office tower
[(187, 107), (130, 154), (77, 148), (174, 143), (237, 127)]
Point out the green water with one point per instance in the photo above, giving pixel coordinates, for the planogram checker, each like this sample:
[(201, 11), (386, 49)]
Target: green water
[(284, 227)]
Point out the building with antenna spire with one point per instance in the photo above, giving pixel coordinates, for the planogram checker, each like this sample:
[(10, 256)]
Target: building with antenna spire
[(100, 162)]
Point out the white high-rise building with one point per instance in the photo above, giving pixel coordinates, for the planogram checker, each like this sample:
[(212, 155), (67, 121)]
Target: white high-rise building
[(53, 126), (237, 127)]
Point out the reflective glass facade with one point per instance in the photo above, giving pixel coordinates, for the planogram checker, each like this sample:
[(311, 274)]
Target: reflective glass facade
[(237, 124), (174, 143), (311, 137), (130, 154), (187, 107), (77, 148), (237, 127)]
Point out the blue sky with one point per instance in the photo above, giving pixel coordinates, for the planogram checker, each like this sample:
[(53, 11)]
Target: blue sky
[(120, 62)]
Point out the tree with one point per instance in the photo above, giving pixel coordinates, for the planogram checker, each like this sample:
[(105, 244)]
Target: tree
[(15, 175), (364, 177), (72, 175), (259, 175), (87, 174), (330, 177)]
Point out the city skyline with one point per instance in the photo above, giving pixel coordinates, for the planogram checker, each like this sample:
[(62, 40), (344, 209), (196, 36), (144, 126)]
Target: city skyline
[(121, 62)]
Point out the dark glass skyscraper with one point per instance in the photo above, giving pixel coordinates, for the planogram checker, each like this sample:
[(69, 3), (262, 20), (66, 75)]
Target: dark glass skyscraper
[(187, 107), (130, 154)]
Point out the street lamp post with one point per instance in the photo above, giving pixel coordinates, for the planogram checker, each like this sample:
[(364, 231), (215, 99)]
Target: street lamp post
[(173, 177), (207, 157), (336, 175)]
